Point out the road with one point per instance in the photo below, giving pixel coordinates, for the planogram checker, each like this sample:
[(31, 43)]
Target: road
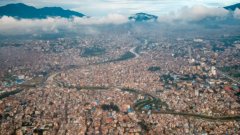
[(132, 50), (50, 78), (153, 99), (138, 106)]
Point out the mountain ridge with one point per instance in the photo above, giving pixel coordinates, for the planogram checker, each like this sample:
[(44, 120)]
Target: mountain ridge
[(20, 10), (233, 7), (143, 17), (23, 11)]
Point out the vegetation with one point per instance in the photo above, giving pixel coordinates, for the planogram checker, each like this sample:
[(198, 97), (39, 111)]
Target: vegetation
[(38, 131), (154, 68), (9, 77), (229, 68), (143, 125), (189, 77), (129, 90), (228, 41), (8, 45), (7, 94), (111, 106), (93, 51), (215, 48), (125, 56), (166, 78), (233, 71), (236, 75), (237, 94), (138, 49)]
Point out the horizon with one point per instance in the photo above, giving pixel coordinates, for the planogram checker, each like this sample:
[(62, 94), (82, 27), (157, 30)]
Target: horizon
[(126, 7)]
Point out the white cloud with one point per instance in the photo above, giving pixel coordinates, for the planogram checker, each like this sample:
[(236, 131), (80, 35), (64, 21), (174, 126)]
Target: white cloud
[(237, 13), (12, 26), (109, 19), (194, 13)]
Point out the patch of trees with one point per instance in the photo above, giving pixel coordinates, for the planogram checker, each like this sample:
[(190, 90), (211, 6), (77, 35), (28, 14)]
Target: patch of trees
[(109, 107), (7, 94), (154, 68), (129, 90), (166, 78), (228, 41), (38, 131), (126, 56), (237, 75), (8, 77), (93, 51), (233, 71), (229, 68), (143, 126)]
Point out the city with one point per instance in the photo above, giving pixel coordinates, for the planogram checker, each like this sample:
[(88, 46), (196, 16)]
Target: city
[(126, 80)]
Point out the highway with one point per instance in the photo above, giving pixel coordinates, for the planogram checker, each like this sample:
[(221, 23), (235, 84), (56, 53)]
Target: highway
[(132, 50)]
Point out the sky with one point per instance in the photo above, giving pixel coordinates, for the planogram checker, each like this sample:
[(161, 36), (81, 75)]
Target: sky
[(124, 7), (104, 12)]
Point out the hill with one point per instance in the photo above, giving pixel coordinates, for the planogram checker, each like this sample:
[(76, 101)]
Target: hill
[(21, 10), (233, 7), (143, 17)]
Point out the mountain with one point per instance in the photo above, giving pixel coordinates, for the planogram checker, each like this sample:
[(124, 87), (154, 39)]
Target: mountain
[(21, 10), (143, 17), (233, 7)]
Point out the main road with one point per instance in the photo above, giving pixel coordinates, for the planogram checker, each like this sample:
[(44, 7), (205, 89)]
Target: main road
[(132, 50)]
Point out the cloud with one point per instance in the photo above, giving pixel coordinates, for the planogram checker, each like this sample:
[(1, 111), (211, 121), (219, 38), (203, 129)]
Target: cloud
[(237, 13), (109, 19), (12, 26), (126, 7), (194, 13)]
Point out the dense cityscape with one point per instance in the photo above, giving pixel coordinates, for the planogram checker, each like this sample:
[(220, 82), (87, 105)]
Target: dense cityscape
[(128, 79), (106, 85)]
